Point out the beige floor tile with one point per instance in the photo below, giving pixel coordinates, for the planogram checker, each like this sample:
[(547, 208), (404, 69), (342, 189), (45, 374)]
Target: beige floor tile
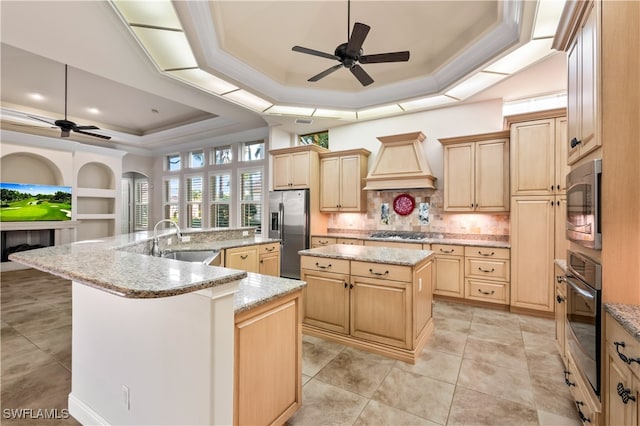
[(537, 325), (55, 342), (452, 324), (550, 419), (495, 318), (48, 319), (435, 364), (442, 309), (475, 408), (356, 371), (46, 386), (377, 414), (315, 357), (323, 404), (544, 363), (535, 342), (509, 356), (493, 379), (447, 341), (416, 394), (508, 336), (305, 379), (551, 394)]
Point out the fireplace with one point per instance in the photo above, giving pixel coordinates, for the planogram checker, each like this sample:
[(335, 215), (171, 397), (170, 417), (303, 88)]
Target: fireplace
[(14, 241)]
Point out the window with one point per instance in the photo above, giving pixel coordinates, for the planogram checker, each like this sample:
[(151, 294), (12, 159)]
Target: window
[(220, 199), (252, 151), (251, 198), (196, 159), (173, 162), (141, 205), (222, 155), (194, 202), (171, 199)]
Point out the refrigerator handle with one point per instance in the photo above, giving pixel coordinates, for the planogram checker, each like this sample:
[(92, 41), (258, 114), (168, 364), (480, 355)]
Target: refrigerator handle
[(281, 215)]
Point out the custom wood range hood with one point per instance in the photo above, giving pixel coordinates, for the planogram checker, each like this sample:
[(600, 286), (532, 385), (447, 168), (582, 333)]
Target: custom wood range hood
[(400, 164)]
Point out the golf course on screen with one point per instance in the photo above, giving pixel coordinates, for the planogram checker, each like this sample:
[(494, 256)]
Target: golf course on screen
[(27, 203)]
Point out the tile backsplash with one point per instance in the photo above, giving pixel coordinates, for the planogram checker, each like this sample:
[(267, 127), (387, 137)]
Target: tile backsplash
[(427, 216)]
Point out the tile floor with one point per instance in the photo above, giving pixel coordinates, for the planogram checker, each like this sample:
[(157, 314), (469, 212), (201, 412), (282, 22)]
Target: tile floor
[(481, 367)]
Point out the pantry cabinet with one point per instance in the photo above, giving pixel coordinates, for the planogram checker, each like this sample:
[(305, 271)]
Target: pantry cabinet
[(476, 173), (342, 176)]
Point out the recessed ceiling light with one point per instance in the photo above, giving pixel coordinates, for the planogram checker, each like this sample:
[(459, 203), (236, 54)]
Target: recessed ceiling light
[(36, 96), (93, 110)]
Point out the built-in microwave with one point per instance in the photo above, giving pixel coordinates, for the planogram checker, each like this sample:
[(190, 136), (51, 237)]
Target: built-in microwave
[(583, 205)]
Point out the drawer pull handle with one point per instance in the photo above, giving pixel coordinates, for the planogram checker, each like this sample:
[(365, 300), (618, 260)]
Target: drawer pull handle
[(270, 249), (583, 418), (485, 254), (566, 379), (560, 299), (447, 251), (323, 266), (243, 257), (379, 274), (625, 394), (486, 270), (323, 242), (622, 356), (575, 142), (488, 293)]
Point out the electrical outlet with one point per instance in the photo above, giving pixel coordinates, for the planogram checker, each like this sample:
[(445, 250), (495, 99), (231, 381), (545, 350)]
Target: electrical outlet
[(169, 240), (186, 238), (126, 397)]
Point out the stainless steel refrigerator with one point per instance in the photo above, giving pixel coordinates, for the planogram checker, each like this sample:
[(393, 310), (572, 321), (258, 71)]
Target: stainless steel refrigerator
[(289, 222)]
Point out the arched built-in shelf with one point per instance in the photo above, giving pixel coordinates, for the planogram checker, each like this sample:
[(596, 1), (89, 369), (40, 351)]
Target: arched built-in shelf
[(96, 199)]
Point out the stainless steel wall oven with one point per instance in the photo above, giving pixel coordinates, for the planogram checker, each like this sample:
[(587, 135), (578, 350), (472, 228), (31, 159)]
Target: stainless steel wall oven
[(583, 205), (583, 325)]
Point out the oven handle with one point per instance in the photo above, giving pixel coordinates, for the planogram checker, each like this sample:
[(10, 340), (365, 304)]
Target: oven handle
[(579, 288)]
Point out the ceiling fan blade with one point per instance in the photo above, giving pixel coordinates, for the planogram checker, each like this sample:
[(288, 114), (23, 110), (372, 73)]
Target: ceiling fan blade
[(308, 51), (362, 76), (95, 135), (40, 119), (325, 73), (76, 128), (358, 35), (385, 57)]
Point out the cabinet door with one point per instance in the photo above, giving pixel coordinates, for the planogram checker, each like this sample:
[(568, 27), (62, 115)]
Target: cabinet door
[(381, 311), (492, 176), (573, 101), (300, 170), (326, 300), (449, 276), (532, 252), (330, 184), (588, 92), (562, 167), (561, 315), (243, 258), (282, 171), (459, 180), (617, 374), (560, 217), (532, 158), (270, 264), (350, 184)]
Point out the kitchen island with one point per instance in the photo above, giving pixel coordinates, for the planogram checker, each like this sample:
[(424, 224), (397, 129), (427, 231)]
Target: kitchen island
[(373, 298), (161, 341)]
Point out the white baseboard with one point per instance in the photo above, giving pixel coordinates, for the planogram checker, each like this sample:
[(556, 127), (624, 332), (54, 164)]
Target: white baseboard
[(83, 413)]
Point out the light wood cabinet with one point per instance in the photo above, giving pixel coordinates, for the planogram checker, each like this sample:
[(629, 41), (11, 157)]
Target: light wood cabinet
[(588, 409), (393, 244), (476, 173), (243, 258), (268, 362), (449, 270), (342, 176), (350, 241), (322, 241), (582, 102), (561, 313), (292, 171), (378, 307), (269, 259), (487, 274)]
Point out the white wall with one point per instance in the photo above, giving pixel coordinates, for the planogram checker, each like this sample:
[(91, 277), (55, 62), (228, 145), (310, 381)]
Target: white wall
[(138, 163)]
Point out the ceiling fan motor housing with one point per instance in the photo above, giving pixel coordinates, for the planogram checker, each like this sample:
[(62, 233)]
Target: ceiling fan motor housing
[(347, 60)]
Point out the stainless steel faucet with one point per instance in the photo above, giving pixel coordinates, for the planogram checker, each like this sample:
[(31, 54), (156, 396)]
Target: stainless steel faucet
[(155, 247)]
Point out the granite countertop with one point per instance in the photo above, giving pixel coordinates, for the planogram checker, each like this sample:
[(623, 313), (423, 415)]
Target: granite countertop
[(627, 315), (426, 239), (256, 289), (386, 255), (221, 244), (113, 265)]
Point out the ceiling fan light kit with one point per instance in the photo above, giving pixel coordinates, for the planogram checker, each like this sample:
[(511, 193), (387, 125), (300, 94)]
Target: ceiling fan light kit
[(350, 54)]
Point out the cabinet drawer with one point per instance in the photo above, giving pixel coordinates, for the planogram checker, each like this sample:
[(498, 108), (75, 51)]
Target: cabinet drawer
[(451, 250), (322, 241), (487, 252), (350, 241), (486, 291), (487, 269), (269, 248), (379, 270), (616, 333), (325, 264)]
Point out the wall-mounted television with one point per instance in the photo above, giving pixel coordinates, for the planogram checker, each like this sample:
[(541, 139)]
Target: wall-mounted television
[(21, 202)]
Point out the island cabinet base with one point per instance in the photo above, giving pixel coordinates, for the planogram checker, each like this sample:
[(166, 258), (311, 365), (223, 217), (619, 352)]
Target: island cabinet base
[(268, 362)]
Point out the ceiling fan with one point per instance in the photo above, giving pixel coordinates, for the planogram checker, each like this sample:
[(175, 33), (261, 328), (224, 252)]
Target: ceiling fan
[(67, 126), (350, 54)]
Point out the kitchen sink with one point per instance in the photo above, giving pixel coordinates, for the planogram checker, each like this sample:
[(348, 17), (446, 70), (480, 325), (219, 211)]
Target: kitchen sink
[(208, 257)]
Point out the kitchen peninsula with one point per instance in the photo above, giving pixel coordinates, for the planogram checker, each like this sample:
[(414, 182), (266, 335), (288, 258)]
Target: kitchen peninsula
[(162, 341), (374, 298)]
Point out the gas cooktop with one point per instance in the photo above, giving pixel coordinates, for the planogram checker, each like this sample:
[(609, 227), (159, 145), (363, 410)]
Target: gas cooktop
[(399, 235)]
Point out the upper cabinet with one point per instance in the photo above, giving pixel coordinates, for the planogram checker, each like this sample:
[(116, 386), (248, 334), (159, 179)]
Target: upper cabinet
[(538, 155), (297, 167), (476, 173), (582, 102), (342, 176)]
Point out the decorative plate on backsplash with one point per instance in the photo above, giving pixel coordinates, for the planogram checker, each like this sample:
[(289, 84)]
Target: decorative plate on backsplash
[(404, 204)]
